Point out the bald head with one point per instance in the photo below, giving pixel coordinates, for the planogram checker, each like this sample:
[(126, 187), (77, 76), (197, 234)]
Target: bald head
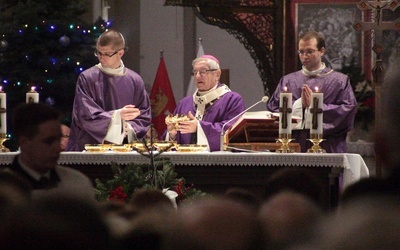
[(215, 224), (288, 217)]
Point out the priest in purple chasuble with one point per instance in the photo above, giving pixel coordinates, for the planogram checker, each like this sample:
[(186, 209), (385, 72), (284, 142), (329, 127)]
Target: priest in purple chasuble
[(111, 104), (211, 106), (339, 104)]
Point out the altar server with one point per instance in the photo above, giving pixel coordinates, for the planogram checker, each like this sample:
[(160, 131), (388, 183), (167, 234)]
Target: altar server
[(111, 103), (339, 102)]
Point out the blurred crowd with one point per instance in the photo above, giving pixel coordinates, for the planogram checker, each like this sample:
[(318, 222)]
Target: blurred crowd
[(289, 216)]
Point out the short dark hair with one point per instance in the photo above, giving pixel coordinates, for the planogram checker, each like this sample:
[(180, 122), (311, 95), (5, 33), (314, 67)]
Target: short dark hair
[(28, 117), (313, 34), (113, 38)]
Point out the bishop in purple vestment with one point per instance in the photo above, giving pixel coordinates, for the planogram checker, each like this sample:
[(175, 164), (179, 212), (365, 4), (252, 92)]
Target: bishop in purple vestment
[(111, 104), (212, 105), (339, 105)]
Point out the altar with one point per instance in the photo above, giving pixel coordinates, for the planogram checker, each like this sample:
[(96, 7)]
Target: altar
[(217, 171)]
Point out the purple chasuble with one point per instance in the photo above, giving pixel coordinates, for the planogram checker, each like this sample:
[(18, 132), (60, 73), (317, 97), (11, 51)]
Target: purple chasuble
[(97, 96), (339, 107), (222, 110)]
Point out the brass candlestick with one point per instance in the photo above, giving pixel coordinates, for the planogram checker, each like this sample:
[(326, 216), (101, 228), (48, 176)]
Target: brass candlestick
[(316, 139), (285, 139), (3, 138)]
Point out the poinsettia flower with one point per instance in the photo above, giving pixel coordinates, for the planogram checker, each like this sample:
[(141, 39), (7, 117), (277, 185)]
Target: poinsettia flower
[(118, 194), (369, 102)]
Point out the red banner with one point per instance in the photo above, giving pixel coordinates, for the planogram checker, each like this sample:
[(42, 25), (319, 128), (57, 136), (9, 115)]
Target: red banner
[(162, 99)]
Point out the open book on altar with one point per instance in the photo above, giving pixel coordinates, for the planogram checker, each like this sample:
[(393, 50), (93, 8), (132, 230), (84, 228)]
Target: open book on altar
[(258, 126)]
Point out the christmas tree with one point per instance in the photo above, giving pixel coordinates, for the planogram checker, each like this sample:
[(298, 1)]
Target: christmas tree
[(46, 44)]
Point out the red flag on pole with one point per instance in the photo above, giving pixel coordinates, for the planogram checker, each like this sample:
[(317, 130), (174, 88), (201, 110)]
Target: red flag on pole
[(162, 99)]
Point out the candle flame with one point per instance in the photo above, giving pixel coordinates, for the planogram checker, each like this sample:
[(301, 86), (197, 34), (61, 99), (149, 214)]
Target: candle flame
[(316, 89), (285, 88), (33, 88), (1, 88)]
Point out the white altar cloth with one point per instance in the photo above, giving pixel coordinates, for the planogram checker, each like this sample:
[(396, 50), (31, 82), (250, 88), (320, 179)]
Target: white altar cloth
[(353, 165)]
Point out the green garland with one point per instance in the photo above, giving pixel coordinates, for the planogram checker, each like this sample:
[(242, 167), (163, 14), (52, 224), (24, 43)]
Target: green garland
[(158, 174)]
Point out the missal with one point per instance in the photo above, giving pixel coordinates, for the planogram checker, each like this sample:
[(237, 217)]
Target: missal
[(258, 126)]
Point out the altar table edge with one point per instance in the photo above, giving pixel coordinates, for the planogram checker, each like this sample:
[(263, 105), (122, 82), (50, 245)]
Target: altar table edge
[(354, 167)]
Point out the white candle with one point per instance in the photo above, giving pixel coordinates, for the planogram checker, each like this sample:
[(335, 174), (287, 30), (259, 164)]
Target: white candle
[(3, 110), (285, 112), (32, 96), (104, 13), (316, 109)]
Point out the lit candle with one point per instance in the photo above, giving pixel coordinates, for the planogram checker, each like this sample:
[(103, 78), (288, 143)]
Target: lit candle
[(3, 114), (32, 96), (316, 109), (285, 113)]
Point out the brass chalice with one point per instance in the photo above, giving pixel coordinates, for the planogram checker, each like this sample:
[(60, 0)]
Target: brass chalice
[(176, 119), (3, 138)]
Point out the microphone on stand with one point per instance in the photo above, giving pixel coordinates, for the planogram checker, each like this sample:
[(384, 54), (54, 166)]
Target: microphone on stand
[(263, 99)]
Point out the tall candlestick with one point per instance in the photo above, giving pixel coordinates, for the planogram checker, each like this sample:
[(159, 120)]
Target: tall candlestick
[(32, 96), (317, 101), (3, 114), (285, 113)]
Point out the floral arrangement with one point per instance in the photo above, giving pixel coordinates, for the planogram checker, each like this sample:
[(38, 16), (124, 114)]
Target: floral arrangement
[(158, 174), (365, 96)]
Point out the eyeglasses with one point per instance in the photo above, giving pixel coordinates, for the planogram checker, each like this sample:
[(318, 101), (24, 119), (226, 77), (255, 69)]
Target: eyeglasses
[(99, 54), (202, 72), (307, 52)]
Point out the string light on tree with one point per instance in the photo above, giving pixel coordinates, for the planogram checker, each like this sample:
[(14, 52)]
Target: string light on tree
[(57, 51)]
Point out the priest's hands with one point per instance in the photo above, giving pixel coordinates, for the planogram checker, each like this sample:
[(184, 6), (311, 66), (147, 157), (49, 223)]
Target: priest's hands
[(188, 127), (127, 128), (129, 112), (171, 130), (185, 127), (306, 96)]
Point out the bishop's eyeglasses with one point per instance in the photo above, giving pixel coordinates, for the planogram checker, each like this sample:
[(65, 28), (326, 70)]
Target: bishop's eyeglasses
[(202, 72)]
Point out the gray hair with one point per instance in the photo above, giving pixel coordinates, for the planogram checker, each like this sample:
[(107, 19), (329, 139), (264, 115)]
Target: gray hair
[(210, 63)]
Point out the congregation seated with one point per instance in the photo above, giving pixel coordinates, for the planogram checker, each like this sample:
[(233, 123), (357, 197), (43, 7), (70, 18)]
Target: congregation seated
[(14, 191), (364, 187), (154, 211), (366, 222), (214, 223), (296, 180), (54, 222), (288, 218), (243, 196)]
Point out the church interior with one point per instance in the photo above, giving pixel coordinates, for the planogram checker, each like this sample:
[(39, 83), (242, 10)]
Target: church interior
[(160, 195)]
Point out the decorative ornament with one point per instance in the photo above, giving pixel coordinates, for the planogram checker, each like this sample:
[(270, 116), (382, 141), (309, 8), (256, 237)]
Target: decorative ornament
[(50, 101), (3, 45), (64, 40)]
